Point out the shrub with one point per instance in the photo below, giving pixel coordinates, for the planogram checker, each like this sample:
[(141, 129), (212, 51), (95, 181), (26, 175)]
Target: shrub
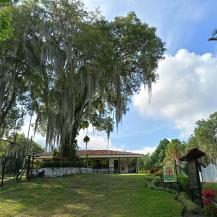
[(188, 205), (154, 170), (209, 193), (157, 182), (210, 210), (183, 183), (158, 173)]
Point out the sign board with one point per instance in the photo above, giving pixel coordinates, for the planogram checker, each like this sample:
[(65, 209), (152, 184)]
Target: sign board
[(169, 172)]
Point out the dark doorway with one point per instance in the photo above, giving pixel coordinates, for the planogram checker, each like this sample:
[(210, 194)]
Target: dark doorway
[(116, 166)]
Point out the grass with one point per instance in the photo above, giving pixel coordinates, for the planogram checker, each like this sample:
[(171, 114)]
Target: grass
[(210, 186), (87, 196)]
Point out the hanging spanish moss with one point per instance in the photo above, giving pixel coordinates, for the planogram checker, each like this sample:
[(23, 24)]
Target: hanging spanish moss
[(84, 68)]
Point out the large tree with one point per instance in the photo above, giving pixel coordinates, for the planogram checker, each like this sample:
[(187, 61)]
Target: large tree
[(77, 68)]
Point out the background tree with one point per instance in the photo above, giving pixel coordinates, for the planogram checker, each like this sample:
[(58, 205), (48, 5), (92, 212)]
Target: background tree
[(214, 36), (159, 154), (145, 162), (205, 137), (13, 152), (86, 140), (176, 148)]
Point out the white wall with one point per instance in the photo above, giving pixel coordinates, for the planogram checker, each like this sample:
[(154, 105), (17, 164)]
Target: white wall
[(124, 165), (209, 173), (62, 171)]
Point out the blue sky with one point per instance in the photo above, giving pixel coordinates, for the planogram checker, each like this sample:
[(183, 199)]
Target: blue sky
[(182, 24), (186, 88)]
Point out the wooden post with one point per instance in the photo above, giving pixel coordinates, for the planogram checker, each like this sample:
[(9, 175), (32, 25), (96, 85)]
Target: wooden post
[(177, 181), (199, 184), (28, 167), (137, 166), (3, 171), (108, 165), (119, 165)]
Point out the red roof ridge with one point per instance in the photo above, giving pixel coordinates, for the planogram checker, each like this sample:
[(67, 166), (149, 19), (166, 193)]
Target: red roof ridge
[(106, 152)]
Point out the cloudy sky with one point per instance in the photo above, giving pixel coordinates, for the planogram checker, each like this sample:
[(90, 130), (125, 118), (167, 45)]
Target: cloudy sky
[(186, 89)]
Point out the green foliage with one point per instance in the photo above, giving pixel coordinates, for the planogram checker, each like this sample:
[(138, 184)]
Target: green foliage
[(205, 137), (56, 152), (160, 153), (85, 67), (145, 162), (183, 182), (19, 147), (175, 148), (210, 210), (210, 186), (188, 205), (6, 28)]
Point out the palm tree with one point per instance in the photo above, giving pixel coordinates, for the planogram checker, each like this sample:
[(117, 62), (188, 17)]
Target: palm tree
[(86, 140), (214, 36)]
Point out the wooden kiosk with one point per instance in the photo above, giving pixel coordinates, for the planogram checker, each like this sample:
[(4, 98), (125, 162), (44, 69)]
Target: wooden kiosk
[(193, 169)]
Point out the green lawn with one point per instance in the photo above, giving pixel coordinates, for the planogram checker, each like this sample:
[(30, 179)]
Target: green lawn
[(87, 196), (210, 186)]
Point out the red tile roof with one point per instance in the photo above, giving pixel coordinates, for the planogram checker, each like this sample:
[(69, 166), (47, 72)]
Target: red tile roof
[(105, 152)]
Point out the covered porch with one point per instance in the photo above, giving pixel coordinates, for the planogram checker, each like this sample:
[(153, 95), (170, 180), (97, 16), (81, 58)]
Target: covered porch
[(109, 161)]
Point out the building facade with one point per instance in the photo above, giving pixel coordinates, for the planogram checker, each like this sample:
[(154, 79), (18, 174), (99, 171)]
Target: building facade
[(110, 161)]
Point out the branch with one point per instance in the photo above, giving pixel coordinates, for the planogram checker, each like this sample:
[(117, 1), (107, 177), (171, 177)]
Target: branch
[(212, 39)]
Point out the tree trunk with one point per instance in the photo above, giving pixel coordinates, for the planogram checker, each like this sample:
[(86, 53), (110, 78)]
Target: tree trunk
[(68, 145), (3, 171)]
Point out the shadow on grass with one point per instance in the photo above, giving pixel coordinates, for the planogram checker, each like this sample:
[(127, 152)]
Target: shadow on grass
[(87, 196)]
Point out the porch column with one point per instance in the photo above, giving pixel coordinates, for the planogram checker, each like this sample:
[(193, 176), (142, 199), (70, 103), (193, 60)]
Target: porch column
[(127, 165), (119, 166), (108, 165), (137, 166)]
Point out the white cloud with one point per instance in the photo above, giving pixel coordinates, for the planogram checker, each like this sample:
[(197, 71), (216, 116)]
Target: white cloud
[(98, 140), (145, 150), (185, 91)]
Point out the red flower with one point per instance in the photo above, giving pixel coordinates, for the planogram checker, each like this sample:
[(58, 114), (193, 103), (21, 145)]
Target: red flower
[(206, 202), (210, 193)]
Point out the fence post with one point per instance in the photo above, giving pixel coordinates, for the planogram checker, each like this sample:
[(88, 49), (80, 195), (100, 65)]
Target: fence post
[(28, 167)]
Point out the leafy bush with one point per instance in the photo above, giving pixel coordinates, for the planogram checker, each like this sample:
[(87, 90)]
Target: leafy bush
[(188, 205), (209, 193), (158, 173), (183, 183), (157, 182), (154, 170), (210, 210)]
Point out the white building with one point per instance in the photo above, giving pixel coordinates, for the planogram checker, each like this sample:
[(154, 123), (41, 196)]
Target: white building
[(109, 161)]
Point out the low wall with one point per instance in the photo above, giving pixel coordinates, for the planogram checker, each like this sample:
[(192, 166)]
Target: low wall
[(62, 171)]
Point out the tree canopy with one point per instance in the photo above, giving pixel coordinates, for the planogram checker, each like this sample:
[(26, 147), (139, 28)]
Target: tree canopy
[(74, 68), (205, 137)]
